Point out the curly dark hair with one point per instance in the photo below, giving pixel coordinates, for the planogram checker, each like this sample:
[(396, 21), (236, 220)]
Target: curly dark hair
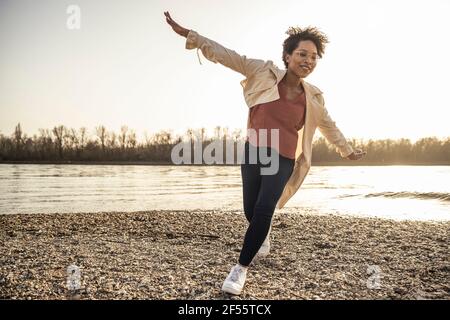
[(297, 34)]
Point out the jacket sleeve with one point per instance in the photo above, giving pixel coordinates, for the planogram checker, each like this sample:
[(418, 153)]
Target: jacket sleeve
[(217, 53), (332, 133)]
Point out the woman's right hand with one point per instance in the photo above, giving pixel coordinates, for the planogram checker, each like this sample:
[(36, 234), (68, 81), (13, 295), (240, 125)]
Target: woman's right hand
[(175, 26), (357, 154)]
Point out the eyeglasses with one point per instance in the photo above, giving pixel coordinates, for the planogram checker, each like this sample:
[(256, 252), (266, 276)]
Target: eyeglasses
[(304, 55)]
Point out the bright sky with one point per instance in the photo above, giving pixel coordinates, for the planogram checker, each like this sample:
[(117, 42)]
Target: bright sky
[(384, 73)]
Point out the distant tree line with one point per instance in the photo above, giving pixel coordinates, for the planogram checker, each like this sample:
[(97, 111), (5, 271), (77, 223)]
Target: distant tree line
[(62, 144), (389, 151)]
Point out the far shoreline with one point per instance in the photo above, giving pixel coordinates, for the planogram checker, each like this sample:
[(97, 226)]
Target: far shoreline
[(153, 163)]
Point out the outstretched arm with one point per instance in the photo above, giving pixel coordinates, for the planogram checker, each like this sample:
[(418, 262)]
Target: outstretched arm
[(175, 26), (215, 52), (332, 133)]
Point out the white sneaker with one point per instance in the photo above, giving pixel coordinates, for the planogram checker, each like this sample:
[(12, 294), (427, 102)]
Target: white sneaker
[(235, 281)]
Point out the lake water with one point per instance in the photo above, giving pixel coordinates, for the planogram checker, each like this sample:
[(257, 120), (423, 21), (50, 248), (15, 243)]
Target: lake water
[(394, 192)]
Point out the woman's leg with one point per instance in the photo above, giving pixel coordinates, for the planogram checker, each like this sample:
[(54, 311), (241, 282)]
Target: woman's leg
[(270, 191), (251, 184)]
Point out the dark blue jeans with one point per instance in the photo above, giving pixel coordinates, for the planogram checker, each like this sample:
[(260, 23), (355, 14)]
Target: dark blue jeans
[(260, 194)]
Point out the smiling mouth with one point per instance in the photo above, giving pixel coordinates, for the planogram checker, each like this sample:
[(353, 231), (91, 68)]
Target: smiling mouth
[(305, 68)]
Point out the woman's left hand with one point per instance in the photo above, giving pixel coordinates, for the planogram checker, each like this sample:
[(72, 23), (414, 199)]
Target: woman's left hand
[(175, 26), (357, 154)]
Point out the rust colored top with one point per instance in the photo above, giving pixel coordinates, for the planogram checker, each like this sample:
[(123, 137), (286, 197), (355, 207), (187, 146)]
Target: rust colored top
[(287, 116)]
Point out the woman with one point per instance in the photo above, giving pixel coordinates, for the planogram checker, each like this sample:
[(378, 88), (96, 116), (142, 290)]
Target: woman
[(278, 100)]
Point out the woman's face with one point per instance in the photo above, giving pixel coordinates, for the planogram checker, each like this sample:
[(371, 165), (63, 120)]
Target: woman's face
[(303, 59)]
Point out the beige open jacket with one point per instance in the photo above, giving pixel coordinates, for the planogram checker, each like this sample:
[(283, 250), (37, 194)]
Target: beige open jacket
[(260, 86)]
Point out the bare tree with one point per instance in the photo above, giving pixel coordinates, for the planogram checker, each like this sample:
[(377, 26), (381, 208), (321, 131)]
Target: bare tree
[(203, 134), (190, 134), (18, 139), (217, 132), (225, 133), (123, 137), (45, 144), (237, 133), (102, 135), (74, 141), (74, 138), (163, 138), (131, 139), (147, 140), (112, 140), (58, 132), (67, 140), (83, 137), (3, 144)]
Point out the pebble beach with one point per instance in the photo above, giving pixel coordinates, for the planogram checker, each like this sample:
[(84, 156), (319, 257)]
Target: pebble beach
[(187, 255)]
